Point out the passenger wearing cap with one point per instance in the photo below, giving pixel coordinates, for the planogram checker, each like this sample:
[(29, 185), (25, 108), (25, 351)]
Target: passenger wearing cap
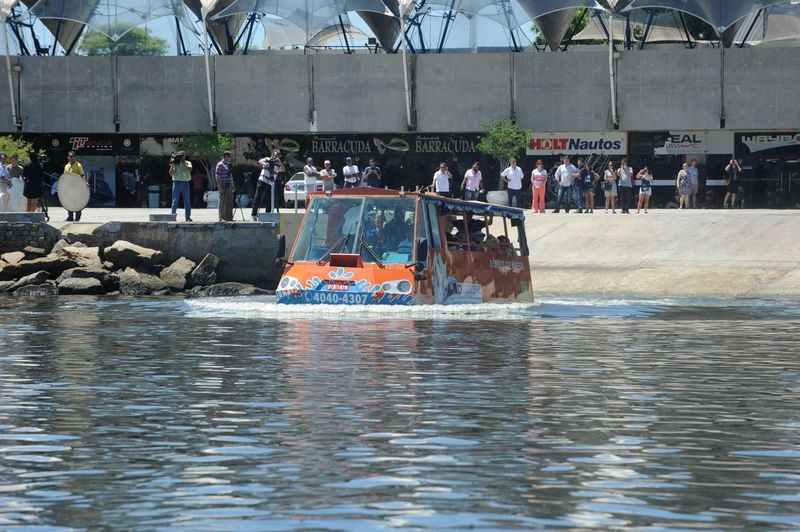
[(351, 175), (327, 174), (311, 177)]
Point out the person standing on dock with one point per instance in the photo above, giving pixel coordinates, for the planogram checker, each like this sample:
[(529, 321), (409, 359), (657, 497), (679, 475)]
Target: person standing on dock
[(694, 173), (625, 183), (472, 183), (180, 170), (539, 186), (441, 181), (310, 179), (73, 167), (5, 183), (565, 175), (513, 178), (223, 174), (351, 174), (266, 182)]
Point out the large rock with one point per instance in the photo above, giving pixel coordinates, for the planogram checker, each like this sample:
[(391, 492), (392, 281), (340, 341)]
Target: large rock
[(34, 278), (81, 285), (176, 274), (12, 257), (5, 285), (52, 264), (127, 255), (206, 272), (48, 288), (228, 289), (136, 283), (84, 256), (105, 277), (61, 244), (32, 252)]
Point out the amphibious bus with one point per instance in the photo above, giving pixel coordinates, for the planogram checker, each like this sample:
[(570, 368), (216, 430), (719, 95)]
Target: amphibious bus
[(368, 246)]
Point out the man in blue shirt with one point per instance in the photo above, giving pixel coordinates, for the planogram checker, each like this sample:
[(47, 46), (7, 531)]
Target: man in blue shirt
[(372, 174)]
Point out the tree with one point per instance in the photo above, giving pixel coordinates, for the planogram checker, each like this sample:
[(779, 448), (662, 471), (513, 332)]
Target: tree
[(207, 149), (502, 139), (11, 145), (136, 41)]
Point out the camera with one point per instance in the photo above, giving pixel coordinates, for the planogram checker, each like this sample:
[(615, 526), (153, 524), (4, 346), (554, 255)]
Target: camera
[(177, 157)]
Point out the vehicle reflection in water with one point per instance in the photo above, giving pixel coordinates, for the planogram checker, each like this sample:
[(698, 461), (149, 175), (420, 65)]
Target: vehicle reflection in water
[(236, 414)]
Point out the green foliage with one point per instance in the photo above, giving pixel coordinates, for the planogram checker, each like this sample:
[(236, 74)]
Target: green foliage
[(11, 145), (137, 41), (207, 149), (502, 139), (578, 24)]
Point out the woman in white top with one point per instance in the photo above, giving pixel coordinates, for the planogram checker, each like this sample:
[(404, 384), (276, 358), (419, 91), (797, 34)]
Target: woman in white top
[(539, 184), (645, 190), (310, 179), (610, 188)]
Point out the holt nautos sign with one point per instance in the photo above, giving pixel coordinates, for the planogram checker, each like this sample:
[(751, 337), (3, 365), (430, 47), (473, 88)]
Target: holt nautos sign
[(558, 143)]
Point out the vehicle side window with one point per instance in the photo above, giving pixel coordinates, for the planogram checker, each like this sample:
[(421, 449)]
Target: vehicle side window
[(432, 221)]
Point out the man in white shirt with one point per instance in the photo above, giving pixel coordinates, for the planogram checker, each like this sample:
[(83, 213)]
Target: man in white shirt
[(513, 177), (310, 179), (472, 183), (694, 174), (327, 174), (565, 176), (350, 173), (441, 181)]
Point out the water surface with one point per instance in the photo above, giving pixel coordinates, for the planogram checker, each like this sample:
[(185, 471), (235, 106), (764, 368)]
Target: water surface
[(238, 414)]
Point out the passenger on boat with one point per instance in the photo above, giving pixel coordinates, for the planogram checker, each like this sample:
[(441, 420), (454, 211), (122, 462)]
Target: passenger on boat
[(397, 229)]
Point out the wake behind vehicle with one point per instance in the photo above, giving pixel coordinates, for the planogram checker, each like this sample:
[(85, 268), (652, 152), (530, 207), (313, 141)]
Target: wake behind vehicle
[(367, 246)]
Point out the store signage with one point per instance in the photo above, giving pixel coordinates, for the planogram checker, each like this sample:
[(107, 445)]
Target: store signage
[(757, 142), (696, 143), (409, 144), (556, 143), (95, 144)]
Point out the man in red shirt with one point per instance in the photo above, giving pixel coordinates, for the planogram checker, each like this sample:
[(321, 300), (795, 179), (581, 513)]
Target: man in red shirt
[(198, 187)]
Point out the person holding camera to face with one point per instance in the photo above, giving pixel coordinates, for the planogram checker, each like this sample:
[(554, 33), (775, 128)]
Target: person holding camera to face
[(270, 166), (733, 169), (180, 170)]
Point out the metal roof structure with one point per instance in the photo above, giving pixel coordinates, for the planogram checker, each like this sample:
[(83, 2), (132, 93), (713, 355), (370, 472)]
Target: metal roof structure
[(231, 24)]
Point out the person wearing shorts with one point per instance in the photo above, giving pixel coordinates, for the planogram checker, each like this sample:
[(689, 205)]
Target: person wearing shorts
[(645, 190)]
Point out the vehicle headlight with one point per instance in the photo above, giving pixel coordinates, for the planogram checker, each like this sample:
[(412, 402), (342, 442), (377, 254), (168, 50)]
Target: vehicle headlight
[(404, 287)]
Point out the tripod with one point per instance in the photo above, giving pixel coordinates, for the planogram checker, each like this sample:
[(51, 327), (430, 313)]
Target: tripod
[(238, 194)]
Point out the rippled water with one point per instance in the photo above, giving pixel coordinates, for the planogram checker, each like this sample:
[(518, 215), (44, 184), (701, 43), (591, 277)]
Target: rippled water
[(238, 414)]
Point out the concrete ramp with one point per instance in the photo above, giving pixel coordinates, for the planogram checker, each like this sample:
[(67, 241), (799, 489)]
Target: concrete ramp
[(707, 253)]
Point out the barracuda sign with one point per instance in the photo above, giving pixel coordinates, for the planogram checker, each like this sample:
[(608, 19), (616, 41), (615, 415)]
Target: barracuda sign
[(555, 143)]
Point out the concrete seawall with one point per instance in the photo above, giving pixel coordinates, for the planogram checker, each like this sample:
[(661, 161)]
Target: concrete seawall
[(706, 253)]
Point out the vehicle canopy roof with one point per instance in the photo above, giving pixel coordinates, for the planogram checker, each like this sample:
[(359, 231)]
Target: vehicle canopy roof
[(455, 205)]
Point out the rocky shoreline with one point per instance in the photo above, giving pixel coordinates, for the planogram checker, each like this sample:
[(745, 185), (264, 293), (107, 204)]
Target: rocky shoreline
[(122, 268)]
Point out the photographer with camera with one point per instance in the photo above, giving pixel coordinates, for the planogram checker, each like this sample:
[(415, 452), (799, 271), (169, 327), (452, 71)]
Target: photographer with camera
[(733, 169), (180, 170), (270, 166)]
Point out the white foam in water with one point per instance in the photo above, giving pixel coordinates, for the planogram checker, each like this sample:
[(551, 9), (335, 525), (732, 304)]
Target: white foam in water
[(266, 307)]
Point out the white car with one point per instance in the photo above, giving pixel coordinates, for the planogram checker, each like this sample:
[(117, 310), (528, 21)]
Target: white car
[(294, 190)]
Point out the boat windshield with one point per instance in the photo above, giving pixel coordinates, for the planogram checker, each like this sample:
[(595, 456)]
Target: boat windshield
[(379, 228)]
